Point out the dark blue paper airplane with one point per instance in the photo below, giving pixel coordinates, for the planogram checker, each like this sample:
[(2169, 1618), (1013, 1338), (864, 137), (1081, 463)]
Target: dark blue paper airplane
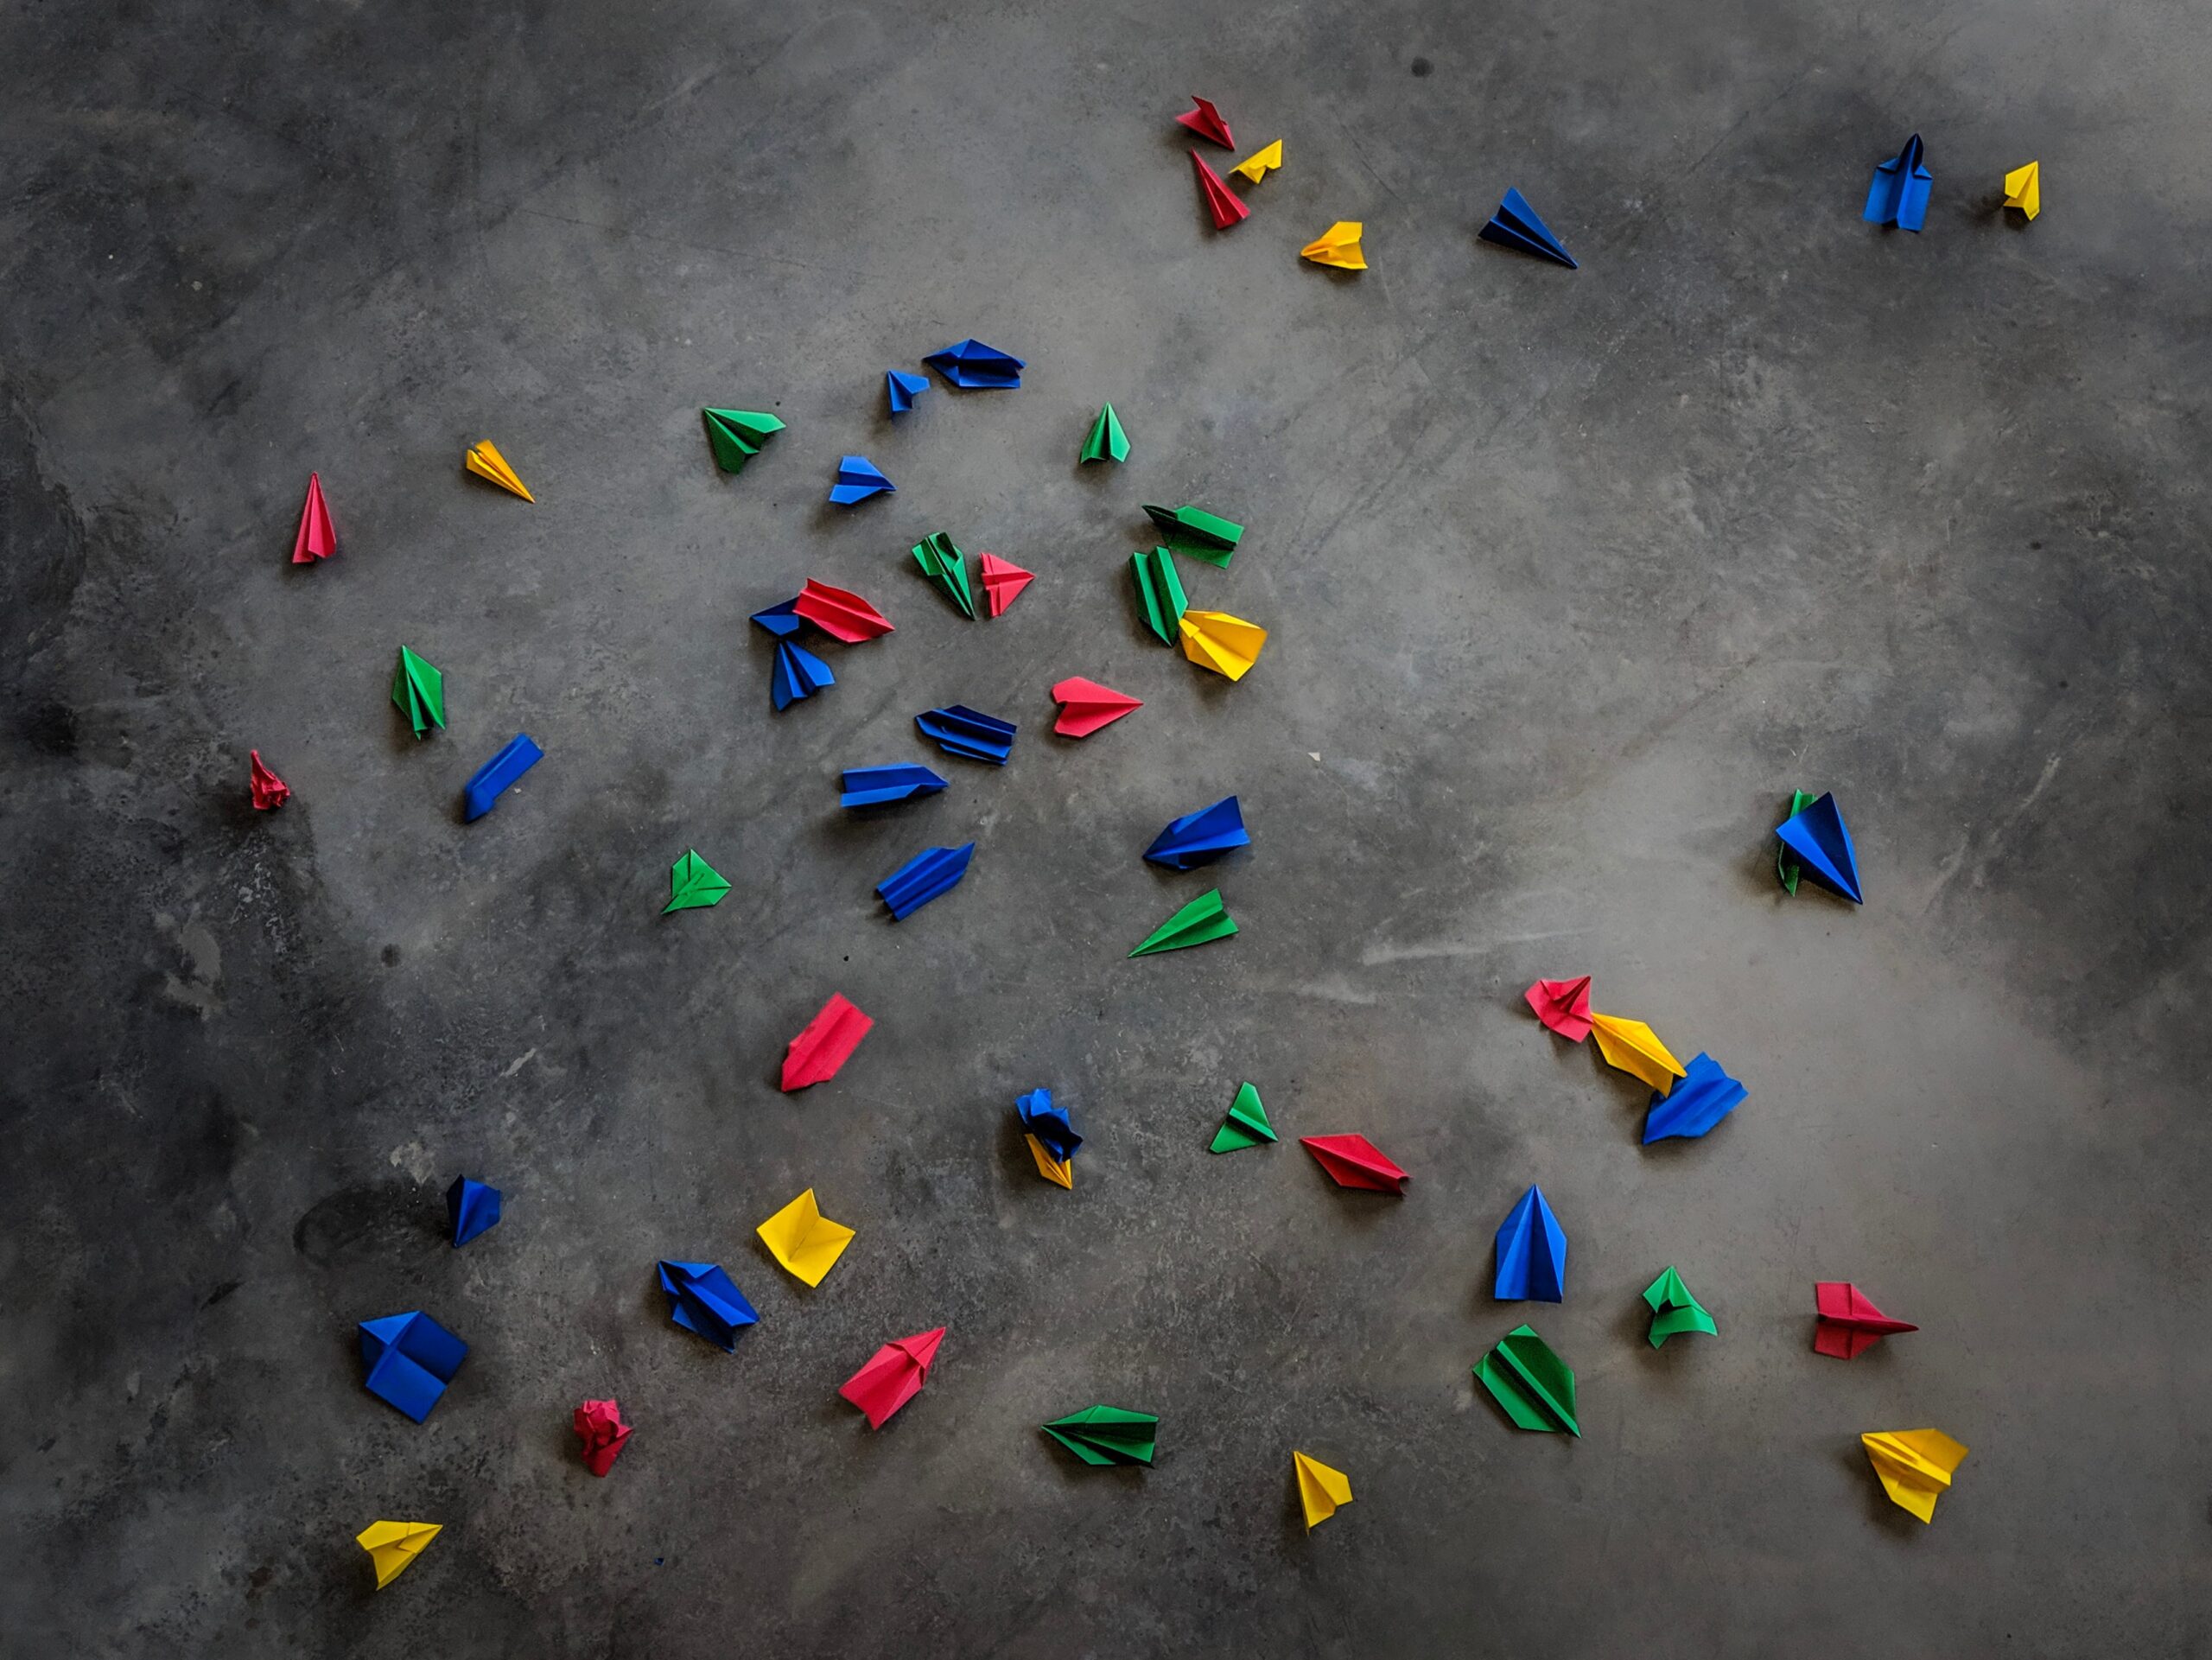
[(1516, 225), (879, 787), (781, 620), (1822, 845), (960, 730), (481, 793), (903, 389), (858, 479), (972, 364), (922, 878), (1050, 1124), (1899, 195), (410, 1358), (798, 674), (1198, 838), (1696, 1104), (701, 1299), (1531, 1253), (472, 1207)]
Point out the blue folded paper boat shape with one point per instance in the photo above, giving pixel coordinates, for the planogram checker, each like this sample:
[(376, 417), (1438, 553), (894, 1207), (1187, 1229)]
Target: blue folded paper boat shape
[(972, 364), (700, 1299), (922, 878), (1198, 838), (410, 1359)]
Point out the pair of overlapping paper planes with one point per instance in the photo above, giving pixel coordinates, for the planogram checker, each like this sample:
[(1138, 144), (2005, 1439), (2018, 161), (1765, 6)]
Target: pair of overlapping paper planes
[(968, 365), (418, 691), (1816, 844), (1049, 1133), (1228, 644), (1222, 204), (1688, 1101), (940, 558), (844, 616)]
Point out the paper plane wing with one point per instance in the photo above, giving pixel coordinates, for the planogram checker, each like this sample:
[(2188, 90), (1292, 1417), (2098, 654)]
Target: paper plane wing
[(781, 620), (1322, 1492), (693, 884), (1214, 639), (1257, 166), (1002, 581), (1787, 871), (1632, 1047), (1204, 120), (490, 781), (1516, 225), (1355, 1161), (806, 1243), (1202, 920), (1702, 1099), (485, 461), (1533, 1385), (877, 786), (1159, 593), (1531, 1253), (267, 790), (1246, 1126), (1107, 442), (840, 614), (1819, 841), (1200, 837), (1562, 1005), (824, 1043), (1339, 246), (1222, 203), (946, 567), (393, 1546), (926, 876), (1085, 706), (315, 539)]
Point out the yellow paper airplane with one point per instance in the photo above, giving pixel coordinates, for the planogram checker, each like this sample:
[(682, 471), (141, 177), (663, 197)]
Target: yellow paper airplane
[(1052, 1169), (1915, 1465), (1227, 645), (393, 1546), (2024, 189), (485, 461), (1339, 246), (1321, 1490), (803, 1240), (1257, 166), (1635, 1047)]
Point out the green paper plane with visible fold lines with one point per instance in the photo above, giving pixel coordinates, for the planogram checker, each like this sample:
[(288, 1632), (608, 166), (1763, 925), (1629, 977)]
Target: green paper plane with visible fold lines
[(735, 436), (693, 883), (1198, 532), (420, 691), (1532, 1383), (1246, 1126), (1786, 868), (944, 563), (1673, 1311), (1107, 442), (1203, 919), (1106, 1434), (1160, 591)]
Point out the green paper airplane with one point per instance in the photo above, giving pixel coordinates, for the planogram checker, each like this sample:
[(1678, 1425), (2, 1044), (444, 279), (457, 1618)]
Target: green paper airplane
[(1532, 1383), (945, 565), (1106, 1434), (735, 436), (1673, 1311), (420, 691), (1107, 442), (1246, 1126), (1785, 866), (1203, 919), (1196, 531), (692, 882), (1160, 591)]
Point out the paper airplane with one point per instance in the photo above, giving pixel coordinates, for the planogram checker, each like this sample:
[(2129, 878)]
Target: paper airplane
[(268, 789), (1899, 195), (2023, 190), (598, 1425), (393, 1546), (781, 620), (1531, 1253), (1848, 1323), (902, 389), (893, 1376), (1562, 1005), (1339, 246), (1204, 920), (1103, 1436), (1702, 1099), (701, 1299), (735, 436), (941, 562), (858, 479), (1915, 1465), (485, 785), (1214, 639), (1787, 871), (880, 787), (1220, 202), (927, 875), (1247, 1124), (1355, 1161), (693, 884), (1533, 1384), (1205, 121), (1516, 225), (419, 689), (1261, 163), (1323, 1491), (823, 1044), (806, 1243), (485, 461), (1673, 1311), (960, 730), (410, 1359), (1085, 706), (472, 1207), (1159, 593), (1107, 442), (314, 539), (797, 675), (1195, 531), (839, 614), (1816, 835), (1198, 838), (975, 366), (1002, 581), (1632, 1047), (1047, 1124)]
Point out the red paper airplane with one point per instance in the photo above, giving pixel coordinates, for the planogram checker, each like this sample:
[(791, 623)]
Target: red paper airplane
[(844, 616), (1086, 706), (814, 1056), (1355, 1161), (268, 790), (1849, 1323), (1206, 122), (316, 540), (604, 1434), (1221, 201), (1002, 580), (894, 1375), (1563, 1005)]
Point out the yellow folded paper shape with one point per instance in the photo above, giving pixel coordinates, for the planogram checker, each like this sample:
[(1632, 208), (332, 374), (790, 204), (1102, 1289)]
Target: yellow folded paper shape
[(1323, 1491), (1052, 1169), (1257, 166), (2024, 189), (1635, 1047), (1915, 1465), (1339, 246), (1227, 645), (803, 1240), (485, 461), (393, 1546)]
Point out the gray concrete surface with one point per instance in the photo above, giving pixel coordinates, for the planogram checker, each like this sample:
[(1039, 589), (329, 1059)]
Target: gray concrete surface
[(1571, 576)]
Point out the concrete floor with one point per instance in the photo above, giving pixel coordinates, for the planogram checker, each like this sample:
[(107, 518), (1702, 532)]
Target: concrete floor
[(1571, 577)]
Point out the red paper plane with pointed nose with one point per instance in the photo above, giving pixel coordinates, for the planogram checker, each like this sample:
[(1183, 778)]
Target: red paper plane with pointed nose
[(894, 1375), (1221, 201), (1085, 706), (1206, 122), (1002, 581), (1355, 1161), (1849, 1323), (315, 540)]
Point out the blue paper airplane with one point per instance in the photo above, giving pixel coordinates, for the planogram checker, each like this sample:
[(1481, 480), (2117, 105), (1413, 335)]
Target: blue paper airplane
[(973, 365), (1696, 1104), (879, 787), (781, 620), (1822, 845), (960, 730), (1198, 838), (1050, 1124), (473, 1208), (922, 878), (1899, 195), (1516, 225), (481, 793), (701, 1299), (858, 479), (1531, 1253), (903, 389), (410, 1358), (799, 673)]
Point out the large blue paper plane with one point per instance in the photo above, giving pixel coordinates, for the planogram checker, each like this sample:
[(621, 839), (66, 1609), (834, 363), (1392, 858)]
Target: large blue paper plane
[(473, 1207), (781, 620), (902, 389), (410, 1359), (879, 787), (1198, 838), (974, 366), (700, 1299), (858, 479), (922, 878), (1899, 195), (1531, 1253), (1696, 1104), (960, 730), (798, 674), (1050, 1124), (1517, 226), (1818, 836), (481, 793)]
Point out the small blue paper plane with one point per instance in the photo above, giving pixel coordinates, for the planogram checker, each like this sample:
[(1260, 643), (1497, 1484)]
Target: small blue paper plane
[(960, 730), (858, 479), (972, 364), (903, 389), (473, 1207), (701, 1299), (922, 878), (1198, 838), (1822, 845), (879, 787), (781, 620), (1899, 195), (1516, 225), (410, 1358), (798, 674), (1531, 1253), (1696, 1104), (1048, 1123), (481, 793)]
